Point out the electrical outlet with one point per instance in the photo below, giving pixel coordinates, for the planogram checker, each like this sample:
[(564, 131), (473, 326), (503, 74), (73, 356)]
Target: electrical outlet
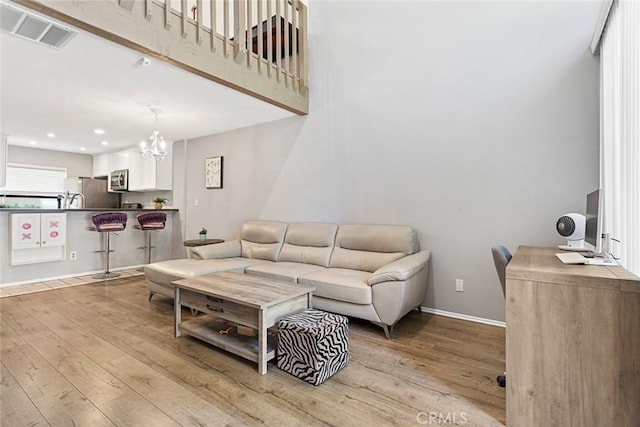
[(459, 285), (196, 202), (73, 255)]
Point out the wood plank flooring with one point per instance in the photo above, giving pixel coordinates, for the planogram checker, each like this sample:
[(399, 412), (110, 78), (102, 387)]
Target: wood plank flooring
[(101, 354)]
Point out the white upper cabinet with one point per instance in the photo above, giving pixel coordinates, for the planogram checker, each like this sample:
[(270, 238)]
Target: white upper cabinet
[(145, 173), (101, 165), (148, 174), (119, 160), (135, 158)]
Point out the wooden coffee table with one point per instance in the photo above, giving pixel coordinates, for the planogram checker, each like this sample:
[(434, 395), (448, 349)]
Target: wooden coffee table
[(237, 299)]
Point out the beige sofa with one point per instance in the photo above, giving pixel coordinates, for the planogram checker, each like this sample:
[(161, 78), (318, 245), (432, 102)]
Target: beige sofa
[(373, 272)]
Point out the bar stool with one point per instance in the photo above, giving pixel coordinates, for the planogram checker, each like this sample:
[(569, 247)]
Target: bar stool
[(107, 223), (148, 222)]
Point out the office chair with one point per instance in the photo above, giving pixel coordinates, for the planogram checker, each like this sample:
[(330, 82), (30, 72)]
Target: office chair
[(501, 257)]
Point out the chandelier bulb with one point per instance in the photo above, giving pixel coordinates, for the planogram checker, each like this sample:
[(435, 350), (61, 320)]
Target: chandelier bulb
[(157, 146)]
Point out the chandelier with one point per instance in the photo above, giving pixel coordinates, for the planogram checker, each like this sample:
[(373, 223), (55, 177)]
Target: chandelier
[(156, 146)]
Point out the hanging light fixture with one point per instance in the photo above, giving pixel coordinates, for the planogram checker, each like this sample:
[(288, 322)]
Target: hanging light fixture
[(156, 146)]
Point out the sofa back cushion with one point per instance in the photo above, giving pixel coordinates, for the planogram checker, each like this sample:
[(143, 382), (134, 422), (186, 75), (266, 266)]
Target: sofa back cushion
[(369, 247), (262, 239), (309, 243)]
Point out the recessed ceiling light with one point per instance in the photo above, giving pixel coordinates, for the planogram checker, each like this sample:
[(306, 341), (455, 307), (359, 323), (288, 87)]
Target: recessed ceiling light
[(105, 143), (98, 131), (51, 135), (32, 142), (82, 149)]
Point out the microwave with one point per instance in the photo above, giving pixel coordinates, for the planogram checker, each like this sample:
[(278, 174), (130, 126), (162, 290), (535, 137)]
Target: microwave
[(119, 180)]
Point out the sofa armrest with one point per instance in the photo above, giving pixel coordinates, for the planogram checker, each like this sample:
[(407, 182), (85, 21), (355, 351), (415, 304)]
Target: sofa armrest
[(228, 249), (401, 269)]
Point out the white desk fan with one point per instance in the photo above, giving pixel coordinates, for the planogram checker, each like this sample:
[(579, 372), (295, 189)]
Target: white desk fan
[(571, 226)]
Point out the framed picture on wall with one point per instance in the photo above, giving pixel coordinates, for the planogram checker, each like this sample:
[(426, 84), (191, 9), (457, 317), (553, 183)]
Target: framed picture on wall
[(213, 172)]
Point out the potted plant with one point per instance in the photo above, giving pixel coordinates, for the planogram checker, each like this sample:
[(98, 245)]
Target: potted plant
[(159, 201), (203, 234)]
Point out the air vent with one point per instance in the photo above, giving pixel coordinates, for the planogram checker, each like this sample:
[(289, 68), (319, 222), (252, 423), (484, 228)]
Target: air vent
[(33, 27)]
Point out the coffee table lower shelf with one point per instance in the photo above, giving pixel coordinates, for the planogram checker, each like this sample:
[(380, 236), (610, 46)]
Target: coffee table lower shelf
[(223, 334)]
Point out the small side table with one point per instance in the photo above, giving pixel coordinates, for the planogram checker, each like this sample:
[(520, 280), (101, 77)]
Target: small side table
[(197, 242)]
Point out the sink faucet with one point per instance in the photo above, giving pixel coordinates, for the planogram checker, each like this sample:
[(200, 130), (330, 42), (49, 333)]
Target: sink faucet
[(69, 198)]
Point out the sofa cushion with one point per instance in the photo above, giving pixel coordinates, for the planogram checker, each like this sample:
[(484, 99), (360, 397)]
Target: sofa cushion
[(262, 239), (308, 243), (165, 272), (340, 284), (361, 260), (368, 247), (285, 271)]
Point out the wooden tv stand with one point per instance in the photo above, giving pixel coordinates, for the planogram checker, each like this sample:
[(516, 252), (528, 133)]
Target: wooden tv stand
[(572, 342)]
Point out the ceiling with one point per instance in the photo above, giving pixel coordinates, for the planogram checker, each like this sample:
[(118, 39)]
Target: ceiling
[(94, 83)]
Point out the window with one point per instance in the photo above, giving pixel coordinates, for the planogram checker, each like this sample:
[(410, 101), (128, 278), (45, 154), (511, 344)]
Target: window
[(34, 180), (620, 131)]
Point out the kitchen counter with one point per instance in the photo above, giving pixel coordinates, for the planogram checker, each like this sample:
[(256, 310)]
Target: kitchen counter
[(80, 256)]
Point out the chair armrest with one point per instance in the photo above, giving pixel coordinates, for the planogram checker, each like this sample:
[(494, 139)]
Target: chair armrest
[(401, 269), (228, 249)]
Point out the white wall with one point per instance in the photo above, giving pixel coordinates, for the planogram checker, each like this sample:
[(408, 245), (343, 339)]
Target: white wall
[(474, 122)]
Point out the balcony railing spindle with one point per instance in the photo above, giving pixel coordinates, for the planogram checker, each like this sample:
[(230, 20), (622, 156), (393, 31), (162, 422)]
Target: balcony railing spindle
[(225, 12), (278, 40), (167, 14), (286, 43), (269, 37), (199, 21), (294, 43), (147, 9), (249, 33), (214, 38), (185, 16), (259, 36)]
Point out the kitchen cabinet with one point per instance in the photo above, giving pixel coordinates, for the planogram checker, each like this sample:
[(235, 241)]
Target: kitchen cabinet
[(38, 237), (145, 172), (101, 165), (119, 160), (135, 158), (148, 174)]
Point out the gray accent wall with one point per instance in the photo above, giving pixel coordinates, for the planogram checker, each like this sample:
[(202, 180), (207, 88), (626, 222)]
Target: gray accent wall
[(474, 122), (76, 164)]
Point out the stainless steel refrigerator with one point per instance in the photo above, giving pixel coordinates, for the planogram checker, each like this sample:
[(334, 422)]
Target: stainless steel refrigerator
[(94, 191)]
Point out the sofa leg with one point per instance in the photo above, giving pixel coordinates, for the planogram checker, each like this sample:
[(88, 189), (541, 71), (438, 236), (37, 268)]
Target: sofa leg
[(388, 329), (150, 295)]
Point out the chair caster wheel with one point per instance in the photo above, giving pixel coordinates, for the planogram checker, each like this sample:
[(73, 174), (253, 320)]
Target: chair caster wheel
[(502, 380)]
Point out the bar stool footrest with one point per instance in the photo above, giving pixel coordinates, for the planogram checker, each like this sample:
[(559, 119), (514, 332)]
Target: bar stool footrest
[(106, 275)]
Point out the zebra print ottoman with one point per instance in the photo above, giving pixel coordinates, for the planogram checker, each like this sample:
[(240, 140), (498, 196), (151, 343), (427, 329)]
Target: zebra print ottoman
[(313, 345)]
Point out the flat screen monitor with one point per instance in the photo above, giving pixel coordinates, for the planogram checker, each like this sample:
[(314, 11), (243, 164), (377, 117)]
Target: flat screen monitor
[(593, 222)]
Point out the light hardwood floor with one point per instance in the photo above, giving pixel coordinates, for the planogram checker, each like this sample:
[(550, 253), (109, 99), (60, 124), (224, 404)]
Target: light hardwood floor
[(97, 354)]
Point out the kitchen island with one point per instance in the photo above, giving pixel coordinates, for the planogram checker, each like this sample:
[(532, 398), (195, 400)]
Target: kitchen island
[(84, 244)]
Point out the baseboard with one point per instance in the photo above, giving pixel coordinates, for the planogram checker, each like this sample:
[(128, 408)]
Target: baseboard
[(67, 276), (463, 317)]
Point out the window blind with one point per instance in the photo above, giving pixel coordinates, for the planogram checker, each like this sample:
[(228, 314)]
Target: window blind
[(34, 180), (620, 131)]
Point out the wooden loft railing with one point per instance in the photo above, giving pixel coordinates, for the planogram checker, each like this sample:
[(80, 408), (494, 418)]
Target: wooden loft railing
[(258, 47)]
